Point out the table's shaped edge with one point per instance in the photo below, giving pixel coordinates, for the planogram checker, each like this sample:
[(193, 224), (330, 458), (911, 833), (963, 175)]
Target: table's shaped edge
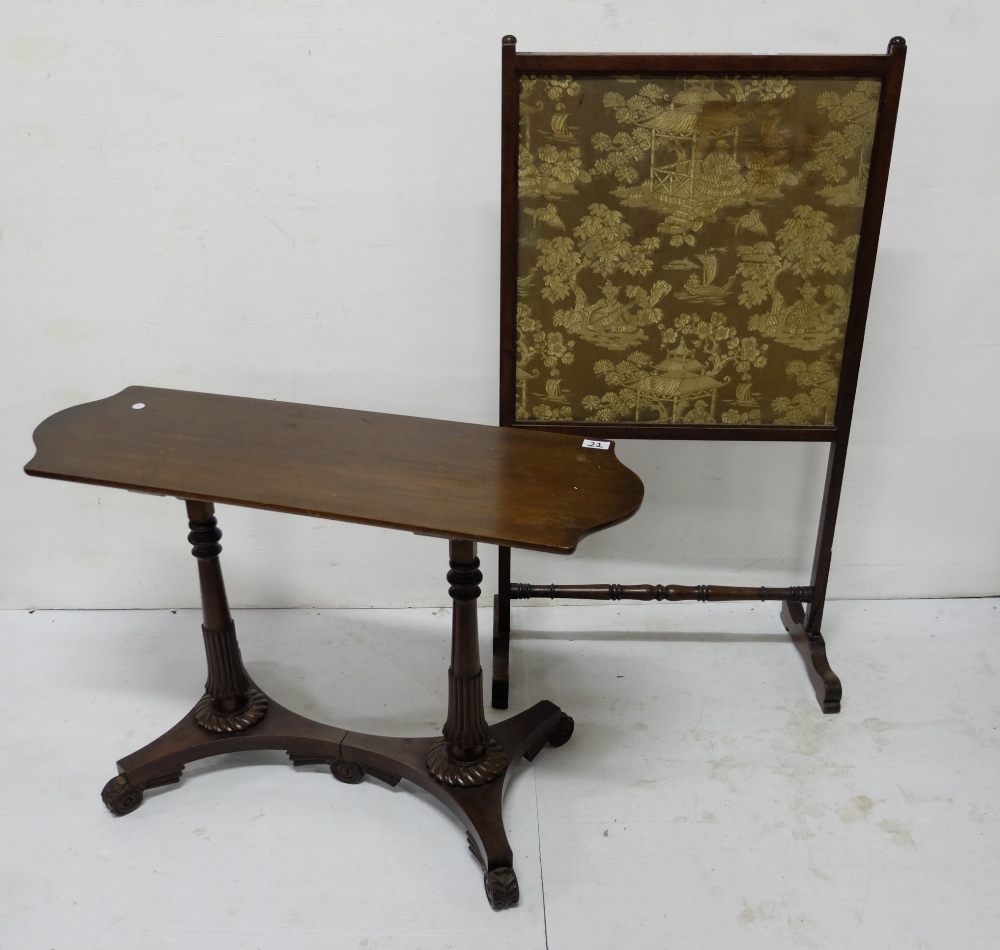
[(38, 434)]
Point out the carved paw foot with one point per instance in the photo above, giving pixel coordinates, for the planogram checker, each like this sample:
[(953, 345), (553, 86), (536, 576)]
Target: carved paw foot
[(120, 797), (501, 888), (562, 732)]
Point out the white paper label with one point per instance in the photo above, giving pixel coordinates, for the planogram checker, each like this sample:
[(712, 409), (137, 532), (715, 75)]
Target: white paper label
[(593, 444)]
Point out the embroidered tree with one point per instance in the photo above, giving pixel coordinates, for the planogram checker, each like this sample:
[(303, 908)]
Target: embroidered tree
[(847, 148), (814, 405), (534, 342), (620, 403), (805, 247)]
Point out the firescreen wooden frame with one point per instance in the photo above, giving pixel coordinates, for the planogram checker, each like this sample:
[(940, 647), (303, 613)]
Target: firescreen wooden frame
[(802, 611)]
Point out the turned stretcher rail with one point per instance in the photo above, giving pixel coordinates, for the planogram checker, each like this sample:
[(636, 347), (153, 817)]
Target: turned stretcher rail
[(671, 592)]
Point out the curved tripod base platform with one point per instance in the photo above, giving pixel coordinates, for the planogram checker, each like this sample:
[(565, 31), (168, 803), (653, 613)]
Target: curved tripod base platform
[(352, 755), (812, 648)]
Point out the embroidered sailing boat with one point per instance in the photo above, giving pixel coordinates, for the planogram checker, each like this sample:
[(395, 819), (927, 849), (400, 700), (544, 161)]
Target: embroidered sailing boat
[(553, 388), (704, 288), (561, 130)]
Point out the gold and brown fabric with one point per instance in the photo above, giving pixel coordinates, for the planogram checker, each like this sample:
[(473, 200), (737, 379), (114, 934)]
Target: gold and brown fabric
[(687, 246)]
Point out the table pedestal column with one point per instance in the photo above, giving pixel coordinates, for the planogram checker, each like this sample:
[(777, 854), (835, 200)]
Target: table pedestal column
[(467, 766), (231, 702), (465, 754)]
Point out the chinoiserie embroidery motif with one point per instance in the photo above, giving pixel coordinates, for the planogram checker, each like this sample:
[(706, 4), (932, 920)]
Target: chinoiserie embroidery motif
[(687, 246)]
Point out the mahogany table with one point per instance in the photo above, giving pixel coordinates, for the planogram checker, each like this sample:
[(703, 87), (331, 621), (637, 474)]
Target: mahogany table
[(466, 483)]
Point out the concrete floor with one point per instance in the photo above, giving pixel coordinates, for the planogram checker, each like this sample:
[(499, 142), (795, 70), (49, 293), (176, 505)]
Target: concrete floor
[(704, 801)]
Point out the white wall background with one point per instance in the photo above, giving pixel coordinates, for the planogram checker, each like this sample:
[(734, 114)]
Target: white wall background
[(300, 200)]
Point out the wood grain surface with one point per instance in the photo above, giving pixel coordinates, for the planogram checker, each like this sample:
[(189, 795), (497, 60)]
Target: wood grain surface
[(533, 490)]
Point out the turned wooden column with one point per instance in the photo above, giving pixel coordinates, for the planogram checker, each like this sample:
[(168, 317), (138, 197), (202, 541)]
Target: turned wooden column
[(231, 702), (465, 755), (465, 731)]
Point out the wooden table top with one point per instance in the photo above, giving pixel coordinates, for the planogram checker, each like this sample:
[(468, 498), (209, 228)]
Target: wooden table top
[(514, 487)]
